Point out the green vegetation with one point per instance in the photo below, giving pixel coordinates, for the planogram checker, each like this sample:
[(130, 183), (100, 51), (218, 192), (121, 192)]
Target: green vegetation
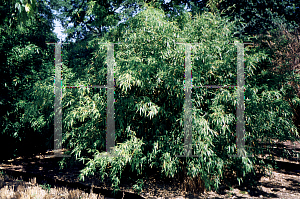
[(25, 63), (46, 187), (149, 91)]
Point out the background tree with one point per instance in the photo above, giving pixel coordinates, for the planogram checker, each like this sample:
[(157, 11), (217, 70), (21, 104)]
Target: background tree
[(24, 63), (283, 46), (21, 10), (91, 16), (257, 17), (252, 17)]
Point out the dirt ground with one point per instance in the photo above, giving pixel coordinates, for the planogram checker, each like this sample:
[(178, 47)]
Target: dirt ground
[(283, 182)]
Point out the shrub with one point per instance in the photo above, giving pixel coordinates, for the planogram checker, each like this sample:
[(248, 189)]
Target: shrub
[(149, 98)]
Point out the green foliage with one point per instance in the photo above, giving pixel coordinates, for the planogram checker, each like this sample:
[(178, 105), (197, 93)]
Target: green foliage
[(22, 11), (255, 17), (46, 187), (93, 16), (149, 98), (252, 17), (149, 92), (138, 187), (24, 67)]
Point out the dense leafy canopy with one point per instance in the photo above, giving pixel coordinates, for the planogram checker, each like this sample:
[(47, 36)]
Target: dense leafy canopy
[(149, 98), (252, 17), (149, 87), (257, 17), (24, 67)]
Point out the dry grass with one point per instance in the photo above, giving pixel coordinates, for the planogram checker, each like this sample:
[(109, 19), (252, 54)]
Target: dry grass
[(17, 189)]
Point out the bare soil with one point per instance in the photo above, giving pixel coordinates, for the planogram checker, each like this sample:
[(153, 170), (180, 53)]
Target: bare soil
[(283, 182)]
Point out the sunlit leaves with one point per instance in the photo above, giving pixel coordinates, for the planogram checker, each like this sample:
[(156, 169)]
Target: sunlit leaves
[(149, 99), (147, 108), (24, 10)]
